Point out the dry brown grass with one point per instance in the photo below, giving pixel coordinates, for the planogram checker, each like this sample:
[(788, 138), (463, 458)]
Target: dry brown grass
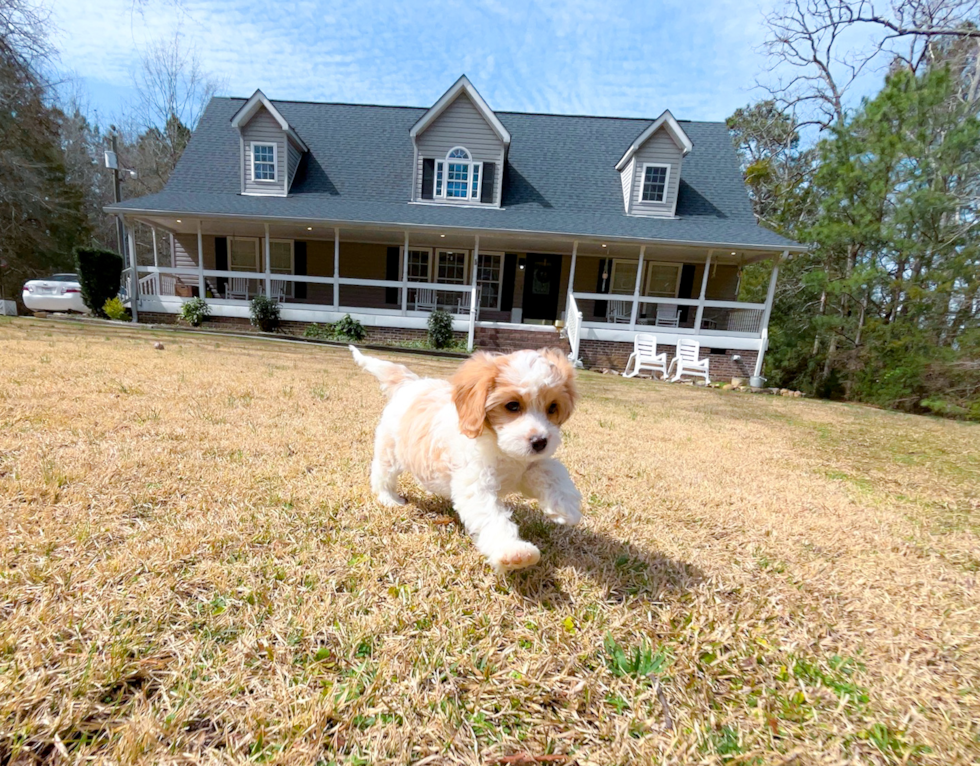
[(192, 570)]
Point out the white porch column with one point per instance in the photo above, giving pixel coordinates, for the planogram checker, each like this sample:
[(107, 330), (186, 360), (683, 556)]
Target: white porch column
[(202, 292), (173, 250), (636, 288), (156, 257), (404, 290), (134, 278), (766, 312), (336, 269), (268, 266), (704, 288), (473, 300), (571, 279)]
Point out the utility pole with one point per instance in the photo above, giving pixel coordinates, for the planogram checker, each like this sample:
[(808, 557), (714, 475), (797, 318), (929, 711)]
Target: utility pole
[(116, 189)]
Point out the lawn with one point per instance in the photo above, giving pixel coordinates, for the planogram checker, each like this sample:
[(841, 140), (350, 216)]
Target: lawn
[(192, 569)]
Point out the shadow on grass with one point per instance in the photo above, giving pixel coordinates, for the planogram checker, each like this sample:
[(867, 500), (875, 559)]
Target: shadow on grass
[(623, 569)]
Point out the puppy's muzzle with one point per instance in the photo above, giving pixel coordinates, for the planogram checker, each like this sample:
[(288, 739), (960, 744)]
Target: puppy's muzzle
[(539, 445)]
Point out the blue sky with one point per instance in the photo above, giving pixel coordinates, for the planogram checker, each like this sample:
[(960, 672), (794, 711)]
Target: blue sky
[(700, 59)]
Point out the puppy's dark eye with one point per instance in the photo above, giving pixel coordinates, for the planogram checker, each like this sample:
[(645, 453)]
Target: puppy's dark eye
[(553, 408), (513, 406)]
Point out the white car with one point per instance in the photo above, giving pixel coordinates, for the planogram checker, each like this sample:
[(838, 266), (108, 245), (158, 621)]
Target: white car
[(60, 292)]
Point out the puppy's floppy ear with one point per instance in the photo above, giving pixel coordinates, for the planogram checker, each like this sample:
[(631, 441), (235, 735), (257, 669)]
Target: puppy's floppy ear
[(566, 381), (472, 384)]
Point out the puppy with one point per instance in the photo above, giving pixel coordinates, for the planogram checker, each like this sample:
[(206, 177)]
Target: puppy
[(488, 432)]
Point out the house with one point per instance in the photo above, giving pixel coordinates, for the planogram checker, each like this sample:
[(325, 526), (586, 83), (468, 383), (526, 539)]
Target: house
[(529, 228)]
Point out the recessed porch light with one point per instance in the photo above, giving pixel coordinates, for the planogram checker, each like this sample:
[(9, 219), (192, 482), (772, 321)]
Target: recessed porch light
[(309, 228), (603, 245), (443, 236), (179, 221), (733, 252)]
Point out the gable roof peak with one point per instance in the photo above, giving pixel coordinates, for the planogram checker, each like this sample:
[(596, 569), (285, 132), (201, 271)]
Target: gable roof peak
[(257, 101), (673, 128), (461, 85)]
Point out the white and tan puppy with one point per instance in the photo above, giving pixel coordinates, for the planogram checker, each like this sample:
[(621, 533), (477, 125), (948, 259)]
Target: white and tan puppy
[(488, 432)]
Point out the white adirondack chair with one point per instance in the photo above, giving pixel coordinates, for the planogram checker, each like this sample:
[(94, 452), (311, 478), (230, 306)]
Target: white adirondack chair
[(668, 315), (619, 312), (425, 300), (645, 356), (687, 363), (237, 288)]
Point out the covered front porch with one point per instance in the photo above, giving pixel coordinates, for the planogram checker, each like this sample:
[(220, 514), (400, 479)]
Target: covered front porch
[(594, 291)]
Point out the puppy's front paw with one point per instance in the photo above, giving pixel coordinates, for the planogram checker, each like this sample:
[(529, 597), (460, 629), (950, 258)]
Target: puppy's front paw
[(520, 555), (390, 500), (566, 510)]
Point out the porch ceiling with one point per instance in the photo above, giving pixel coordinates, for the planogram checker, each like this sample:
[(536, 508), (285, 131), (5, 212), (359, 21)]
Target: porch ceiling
[(491, 241)]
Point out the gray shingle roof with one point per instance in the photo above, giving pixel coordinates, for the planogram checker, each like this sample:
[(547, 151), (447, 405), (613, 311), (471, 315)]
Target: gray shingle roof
[(560, 177)]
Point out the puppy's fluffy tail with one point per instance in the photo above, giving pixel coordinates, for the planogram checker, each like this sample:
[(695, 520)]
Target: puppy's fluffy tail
[(390, 374)]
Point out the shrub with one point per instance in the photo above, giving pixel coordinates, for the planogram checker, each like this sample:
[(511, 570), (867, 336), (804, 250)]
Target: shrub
[(319, 331), (195, 311), (114, 309), (99, 272), (349, 328), (440, 329), (264, 312)]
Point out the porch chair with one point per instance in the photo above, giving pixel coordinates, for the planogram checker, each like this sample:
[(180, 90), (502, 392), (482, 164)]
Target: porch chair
[(645, 355), (277, 290), (619, 312), (668, 315), (237, 288), (425, 300), (463, 303), (687, 362)]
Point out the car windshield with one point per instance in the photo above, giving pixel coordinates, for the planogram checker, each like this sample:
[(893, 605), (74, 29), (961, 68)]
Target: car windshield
[(63, 278)]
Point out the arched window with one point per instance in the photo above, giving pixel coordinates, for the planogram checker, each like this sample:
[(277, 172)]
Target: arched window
[(458, 177)]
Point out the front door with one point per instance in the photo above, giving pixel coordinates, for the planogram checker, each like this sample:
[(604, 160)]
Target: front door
[(541, 279)]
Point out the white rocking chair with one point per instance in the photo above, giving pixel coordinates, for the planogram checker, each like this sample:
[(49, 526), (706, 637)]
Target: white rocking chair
[(237, 288), (645, 356), (277, 290), (687, 361), (668, 315), (425, 300), (619, 312), (463, 304)]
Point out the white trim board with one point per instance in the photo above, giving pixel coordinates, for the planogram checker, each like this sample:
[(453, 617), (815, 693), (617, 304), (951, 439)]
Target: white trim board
[(666, 120), (447, 98)]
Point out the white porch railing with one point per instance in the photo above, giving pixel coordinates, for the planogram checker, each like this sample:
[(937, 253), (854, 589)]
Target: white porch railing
[(726, 318), (573, 328)]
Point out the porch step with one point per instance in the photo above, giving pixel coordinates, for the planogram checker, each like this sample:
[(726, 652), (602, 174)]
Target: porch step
[(506, 340)]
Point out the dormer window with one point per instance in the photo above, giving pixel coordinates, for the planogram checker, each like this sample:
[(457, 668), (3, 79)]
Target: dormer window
[(655, 182), (458, 177), (264, 162)]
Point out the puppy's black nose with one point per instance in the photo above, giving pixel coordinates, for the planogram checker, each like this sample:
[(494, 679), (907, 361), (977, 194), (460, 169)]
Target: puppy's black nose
[(538, 445)]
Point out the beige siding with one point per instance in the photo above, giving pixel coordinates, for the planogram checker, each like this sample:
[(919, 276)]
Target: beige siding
[(363, 261), (263, 128), (186, 250), (626, 176), (460, 124), (660, 149)]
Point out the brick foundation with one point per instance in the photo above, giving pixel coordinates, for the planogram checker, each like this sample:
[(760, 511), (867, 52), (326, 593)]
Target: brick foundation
[(506, 339), (614, 354)]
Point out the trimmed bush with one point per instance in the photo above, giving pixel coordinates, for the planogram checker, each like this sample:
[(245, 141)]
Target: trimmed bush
[(319, 331), (114, 309), (195, 311), (440, 329), (99, 272), (264, 313), (349, 328)]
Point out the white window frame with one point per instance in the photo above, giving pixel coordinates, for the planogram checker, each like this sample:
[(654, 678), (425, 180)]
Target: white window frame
[(643, 177), (292, 261), (466, 266), (258, 257), (612, 275), (442, 166), (275, 162), (429, 266), (500, 279), (648, 267)]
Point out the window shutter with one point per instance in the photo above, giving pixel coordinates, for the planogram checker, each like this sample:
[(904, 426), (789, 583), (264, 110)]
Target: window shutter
[(428, 177), (486, 185), (299, 267), (602, 286), (391, 272), (507, 284), (221, 262), (686, 288)]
